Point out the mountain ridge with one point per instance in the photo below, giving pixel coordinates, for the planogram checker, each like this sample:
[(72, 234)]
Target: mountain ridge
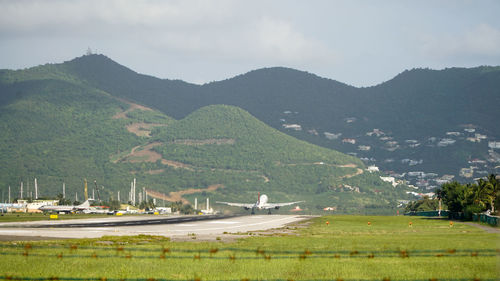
[(416, 105), (64, 131)]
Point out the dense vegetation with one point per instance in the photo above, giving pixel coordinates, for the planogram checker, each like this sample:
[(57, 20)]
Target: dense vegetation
[(424, 204), (468, 198), (59, 128), (473, 197)]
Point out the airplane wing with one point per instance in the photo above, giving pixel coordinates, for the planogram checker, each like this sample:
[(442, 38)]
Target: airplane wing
[(274, 205), (244, 205)]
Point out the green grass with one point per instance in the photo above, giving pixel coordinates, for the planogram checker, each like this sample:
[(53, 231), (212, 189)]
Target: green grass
[(435, 250), (19, 217)]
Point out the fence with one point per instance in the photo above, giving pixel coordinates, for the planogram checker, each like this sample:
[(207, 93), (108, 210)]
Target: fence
[(428, 213), (54, 278), (491, 220), (74, 251)]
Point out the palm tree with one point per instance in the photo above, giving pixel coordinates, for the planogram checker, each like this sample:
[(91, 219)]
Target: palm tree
[(439, 194), (493, 190), (481, 193)]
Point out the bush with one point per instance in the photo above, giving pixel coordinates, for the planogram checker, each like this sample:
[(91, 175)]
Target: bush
[(470, 210)]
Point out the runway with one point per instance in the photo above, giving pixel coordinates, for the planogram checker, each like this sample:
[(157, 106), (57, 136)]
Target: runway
[(177, 226)]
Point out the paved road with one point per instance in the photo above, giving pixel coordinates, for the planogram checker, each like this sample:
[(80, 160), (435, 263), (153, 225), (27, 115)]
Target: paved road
[(114, 221), (158, 225)]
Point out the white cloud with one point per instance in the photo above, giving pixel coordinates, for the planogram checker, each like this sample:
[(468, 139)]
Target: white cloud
[(279, 40), (221, 29), (482, 40)]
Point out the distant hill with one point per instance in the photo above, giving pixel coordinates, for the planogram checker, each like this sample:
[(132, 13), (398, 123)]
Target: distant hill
[(60, 127), (414, 111)]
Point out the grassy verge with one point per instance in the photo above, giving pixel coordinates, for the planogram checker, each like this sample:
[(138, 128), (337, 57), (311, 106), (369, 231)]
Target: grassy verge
[(348, 247), (19, 217)]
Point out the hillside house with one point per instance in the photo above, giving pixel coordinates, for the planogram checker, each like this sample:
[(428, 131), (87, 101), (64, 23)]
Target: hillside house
[(472, 139), (390, 180), (295, 127), (376, 132), (494, 144), (446, 142), (313, 132), (364, 147), (351, 141), (467, 172), (332, 136)]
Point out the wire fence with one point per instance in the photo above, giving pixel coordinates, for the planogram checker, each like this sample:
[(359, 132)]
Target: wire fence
[(79, 251), (54, 278)]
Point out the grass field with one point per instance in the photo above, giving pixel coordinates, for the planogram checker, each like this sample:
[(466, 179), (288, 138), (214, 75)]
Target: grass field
[(17, 217), (348, 248)]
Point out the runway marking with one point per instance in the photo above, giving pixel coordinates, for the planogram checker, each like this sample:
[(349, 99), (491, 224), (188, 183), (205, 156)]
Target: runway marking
[(242, 225), (223, 222)]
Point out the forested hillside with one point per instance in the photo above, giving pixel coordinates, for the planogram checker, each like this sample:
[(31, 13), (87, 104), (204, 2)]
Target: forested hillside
[(412, 112), (59, 128)]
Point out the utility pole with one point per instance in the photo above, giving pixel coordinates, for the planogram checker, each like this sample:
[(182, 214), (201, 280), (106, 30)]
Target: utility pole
[(134, 190), (76, 196), (21, 191), (85, 190), (9, 194), (131, 191), (64, 191), (118, 197), (36, 190)]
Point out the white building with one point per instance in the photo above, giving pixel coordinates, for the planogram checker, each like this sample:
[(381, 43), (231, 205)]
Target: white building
[(295, 127), (390, 180), (494, 144)]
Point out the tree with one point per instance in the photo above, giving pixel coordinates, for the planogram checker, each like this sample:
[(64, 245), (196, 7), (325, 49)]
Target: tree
[(424, 204), (63, 201), (492, 190), (452, 194)]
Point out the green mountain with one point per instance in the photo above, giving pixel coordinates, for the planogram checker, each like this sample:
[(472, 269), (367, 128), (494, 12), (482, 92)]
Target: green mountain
[(413, 112), (60, 127)]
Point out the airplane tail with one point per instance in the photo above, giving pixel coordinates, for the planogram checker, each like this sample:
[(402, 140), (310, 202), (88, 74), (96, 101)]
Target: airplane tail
[(85, 204)]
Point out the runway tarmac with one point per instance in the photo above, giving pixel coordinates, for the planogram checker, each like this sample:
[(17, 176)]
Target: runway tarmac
[(157, 225)]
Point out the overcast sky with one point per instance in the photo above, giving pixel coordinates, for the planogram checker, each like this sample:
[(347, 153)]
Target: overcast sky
[(361, 43)]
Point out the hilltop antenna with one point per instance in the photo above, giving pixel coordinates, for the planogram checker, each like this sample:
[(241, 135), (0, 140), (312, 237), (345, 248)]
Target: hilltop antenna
[(89, 51)]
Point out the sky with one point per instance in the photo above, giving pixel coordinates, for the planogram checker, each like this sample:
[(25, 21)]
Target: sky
[(358, 42)]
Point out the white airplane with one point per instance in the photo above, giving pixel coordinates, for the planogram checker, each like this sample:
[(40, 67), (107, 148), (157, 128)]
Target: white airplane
[(66, 209), (260, 204), (5, 206)]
